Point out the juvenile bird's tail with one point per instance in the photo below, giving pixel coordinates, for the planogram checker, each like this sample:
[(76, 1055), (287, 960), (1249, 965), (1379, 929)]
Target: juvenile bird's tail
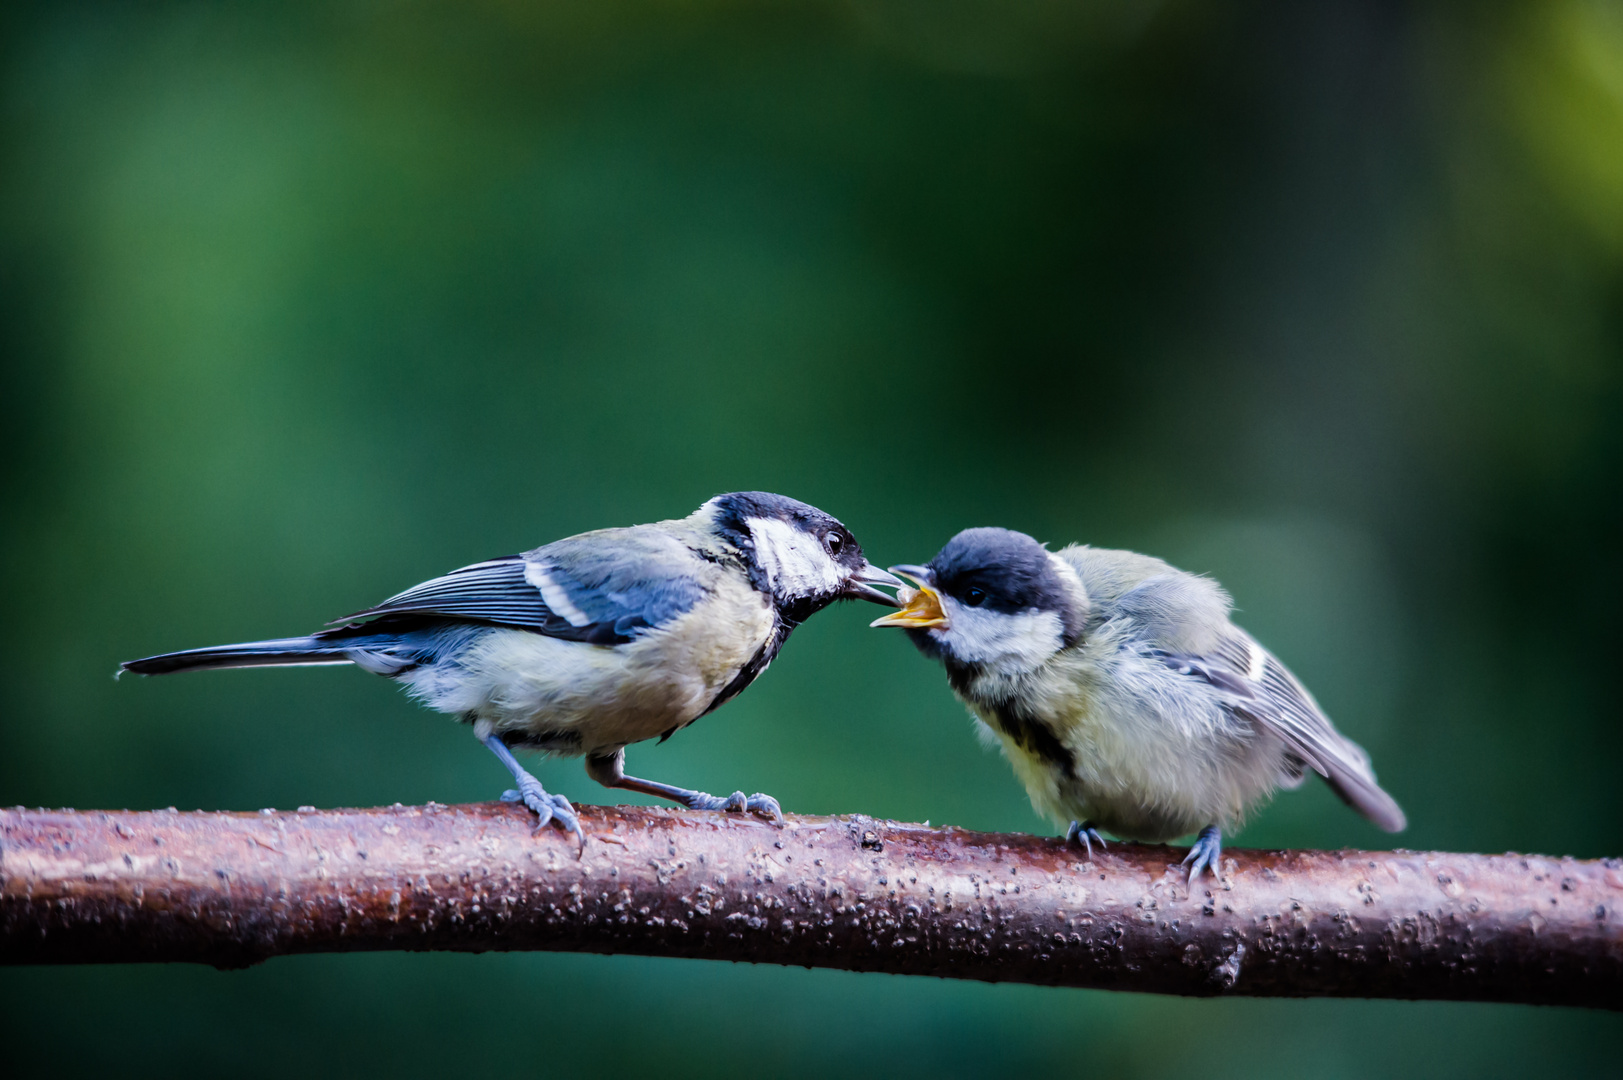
[(1359, 790), (303, 651)]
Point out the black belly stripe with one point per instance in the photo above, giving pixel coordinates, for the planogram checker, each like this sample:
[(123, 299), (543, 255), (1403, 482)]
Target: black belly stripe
[(1033, 736), (757, 664), (1029, 733), (558, 742), (763, 656)]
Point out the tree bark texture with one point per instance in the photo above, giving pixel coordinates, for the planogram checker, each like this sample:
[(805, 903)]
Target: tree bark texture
[(232, 889)]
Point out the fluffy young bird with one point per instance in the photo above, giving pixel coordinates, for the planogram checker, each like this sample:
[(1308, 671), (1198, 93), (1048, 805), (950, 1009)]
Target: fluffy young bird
[(591, 643), (1121, 692)]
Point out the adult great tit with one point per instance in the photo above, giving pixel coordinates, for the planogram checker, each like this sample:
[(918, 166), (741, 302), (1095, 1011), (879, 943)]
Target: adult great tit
[(597, 641), (1121, 693)]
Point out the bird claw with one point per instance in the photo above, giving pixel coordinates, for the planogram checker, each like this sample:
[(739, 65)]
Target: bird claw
[(765, 805), (548, 809), (738, 803), (1083, 832), (1206, 852)]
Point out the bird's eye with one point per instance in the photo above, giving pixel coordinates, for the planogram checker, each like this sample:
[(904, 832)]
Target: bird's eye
[(974, 597), (834, 542)]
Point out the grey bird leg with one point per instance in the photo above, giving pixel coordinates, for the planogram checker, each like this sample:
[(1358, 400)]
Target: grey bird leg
[(553, 808), (1207, 851), (609, 770), (1083, 832)]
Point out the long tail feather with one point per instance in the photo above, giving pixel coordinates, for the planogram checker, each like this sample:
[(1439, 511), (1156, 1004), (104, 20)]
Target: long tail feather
[(284, 651)]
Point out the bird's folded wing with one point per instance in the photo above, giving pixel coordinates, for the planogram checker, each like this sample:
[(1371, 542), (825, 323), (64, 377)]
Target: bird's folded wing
[(604, 593), (1257, 686)]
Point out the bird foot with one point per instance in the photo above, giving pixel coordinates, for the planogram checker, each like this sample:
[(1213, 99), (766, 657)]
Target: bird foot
[(1206, 852), (736, 803), (1083, 833), (548, 809)]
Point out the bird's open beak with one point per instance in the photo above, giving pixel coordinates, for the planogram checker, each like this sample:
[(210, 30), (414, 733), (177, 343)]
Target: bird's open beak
[(859, 586), (921, 607)]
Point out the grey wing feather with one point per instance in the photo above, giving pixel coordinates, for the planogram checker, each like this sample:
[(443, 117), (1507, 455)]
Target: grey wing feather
[(493, 591), (634, 577), (603, 588), (1260, 688)]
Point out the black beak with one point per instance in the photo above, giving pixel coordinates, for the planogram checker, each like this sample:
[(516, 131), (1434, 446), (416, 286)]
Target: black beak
[(859, 586)]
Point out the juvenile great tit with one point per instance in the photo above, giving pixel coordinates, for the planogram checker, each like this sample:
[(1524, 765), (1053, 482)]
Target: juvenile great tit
[(1121, 693), (597, 641)]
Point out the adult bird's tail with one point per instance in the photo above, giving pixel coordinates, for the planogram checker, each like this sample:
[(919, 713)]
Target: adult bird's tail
[(299, 651)]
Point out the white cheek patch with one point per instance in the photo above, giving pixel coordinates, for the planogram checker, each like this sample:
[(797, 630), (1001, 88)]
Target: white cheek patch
[(554, 596), (794, 561), (1008, 644)]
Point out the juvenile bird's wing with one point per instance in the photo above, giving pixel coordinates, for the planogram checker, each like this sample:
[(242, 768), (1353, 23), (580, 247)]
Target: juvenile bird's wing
[(1257, 686), (603, 588)]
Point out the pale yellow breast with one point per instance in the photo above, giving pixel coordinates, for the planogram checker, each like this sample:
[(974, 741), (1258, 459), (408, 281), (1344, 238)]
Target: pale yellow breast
[(1134, 771), (605, 697)]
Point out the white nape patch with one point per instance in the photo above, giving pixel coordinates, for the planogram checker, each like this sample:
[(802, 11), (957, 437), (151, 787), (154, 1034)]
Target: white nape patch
[(794, 560), (1005, 644), (553, 594)]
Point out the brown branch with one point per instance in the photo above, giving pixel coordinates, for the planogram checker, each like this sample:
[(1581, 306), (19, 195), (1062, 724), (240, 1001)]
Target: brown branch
[(854, 893)]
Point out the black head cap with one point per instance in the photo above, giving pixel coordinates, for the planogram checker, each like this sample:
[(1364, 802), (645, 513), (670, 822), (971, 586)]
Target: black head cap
[(732, 515), (1006, 571), (733, 510)]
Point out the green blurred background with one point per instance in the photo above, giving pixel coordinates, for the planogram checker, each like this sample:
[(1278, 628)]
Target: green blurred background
[(303, 303)]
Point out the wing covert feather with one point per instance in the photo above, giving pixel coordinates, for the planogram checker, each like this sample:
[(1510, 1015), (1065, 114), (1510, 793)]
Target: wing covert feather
[(604, 588)]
